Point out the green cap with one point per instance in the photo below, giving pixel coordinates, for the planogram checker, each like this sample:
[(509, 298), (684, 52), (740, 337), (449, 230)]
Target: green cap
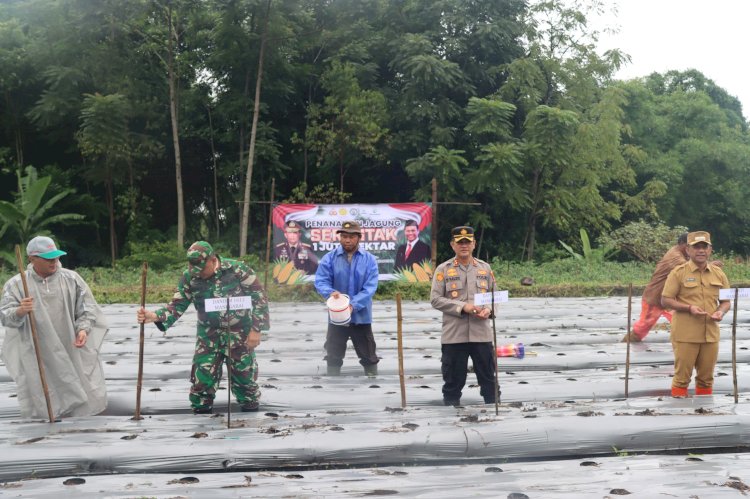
[(197, 256)]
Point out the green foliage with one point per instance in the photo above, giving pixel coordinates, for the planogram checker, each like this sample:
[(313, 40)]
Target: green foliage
[(620, 452), (558, 278), (160, 255), (349, 125), (319, 194), (32, 212), (506, 103), (418, 291), (445, 165), (647, 242), (590, 255)]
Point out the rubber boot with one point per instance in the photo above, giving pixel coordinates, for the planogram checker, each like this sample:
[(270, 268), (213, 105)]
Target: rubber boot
[(334, 370), (633, 338), (703, 391), (371, 370), (250, 407), (679, 393)]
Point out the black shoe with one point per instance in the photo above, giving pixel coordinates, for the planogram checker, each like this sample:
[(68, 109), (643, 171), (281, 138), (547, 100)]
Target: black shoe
[(454, 403), (371, 370), (203, 410), (334, 370), (250, 407)]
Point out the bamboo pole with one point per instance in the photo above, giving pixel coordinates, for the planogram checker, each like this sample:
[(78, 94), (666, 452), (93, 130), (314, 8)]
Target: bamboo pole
[(734, 345), (269, 233), (627, 356), (494, 350), (229, 370), (34, 337), (399, 320), (141, 341), (433, 254)]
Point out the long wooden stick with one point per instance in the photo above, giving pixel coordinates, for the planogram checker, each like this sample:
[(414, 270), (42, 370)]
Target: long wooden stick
[(734, 344), (34, 337), (399, 319), (229, 370), (494, 350), (434, 235), (268, 234), (627, 356), (139, 385)]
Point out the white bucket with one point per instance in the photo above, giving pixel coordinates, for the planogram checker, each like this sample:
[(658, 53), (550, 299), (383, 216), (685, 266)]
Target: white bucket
[(338, 309)]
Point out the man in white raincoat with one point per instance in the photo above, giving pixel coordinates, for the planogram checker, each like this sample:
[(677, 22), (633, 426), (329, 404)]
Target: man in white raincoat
[(70, 327)]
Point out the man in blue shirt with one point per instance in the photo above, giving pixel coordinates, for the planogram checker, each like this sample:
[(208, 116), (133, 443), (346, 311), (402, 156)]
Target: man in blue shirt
[(352, 271)]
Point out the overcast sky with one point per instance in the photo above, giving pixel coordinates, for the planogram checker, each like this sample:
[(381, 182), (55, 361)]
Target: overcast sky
[(660, 35)]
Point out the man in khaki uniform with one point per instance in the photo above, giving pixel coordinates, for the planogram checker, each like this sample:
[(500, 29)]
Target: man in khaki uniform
[(692, 291), (466, 330)]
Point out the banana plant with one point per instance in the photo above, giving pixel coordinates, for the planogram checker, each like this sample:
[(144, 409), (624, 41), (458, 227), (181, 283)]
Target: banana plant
[(30, 214), (590, 255)]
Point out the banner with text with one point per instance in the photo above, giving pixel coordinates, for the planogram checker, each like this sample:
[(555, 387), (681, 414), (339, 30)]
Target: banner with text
[(398, 235)]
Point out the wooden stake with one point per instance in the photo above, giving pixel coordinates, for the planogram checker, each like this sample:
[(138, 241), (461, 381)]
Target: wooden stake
[(269, 233), (229, 371), (139, 385), (433, 254), (399, 319), (627, 356), (34, 337), (734, 344), (494, 350)]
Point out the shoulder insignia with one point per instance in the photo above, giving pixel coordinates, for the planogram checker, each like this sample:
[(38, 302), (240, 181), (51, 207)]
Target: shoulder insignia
[(439, 276)]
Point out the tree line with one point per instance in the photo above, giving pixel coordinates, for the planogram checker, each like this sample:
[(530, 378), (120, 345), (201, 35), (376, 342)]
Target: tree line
[(145, 121)]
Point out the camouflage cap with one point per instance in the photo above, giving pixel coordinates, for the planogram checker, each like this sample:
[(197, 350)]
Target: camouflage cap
[(197, 256)]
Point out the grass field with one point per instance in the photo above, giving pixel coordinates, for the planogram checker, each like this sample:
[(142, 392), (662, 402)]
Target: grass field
[(567, 277)]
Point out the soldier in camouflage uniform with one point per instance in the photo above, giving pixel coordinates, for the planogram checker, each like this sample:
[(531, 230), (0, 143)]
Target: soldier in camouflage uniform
[(209, 276)]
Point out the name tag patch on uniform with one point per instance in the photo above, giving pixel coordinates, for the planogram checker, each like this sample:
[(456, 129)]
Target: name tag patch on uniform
[(690, 279), (235, 303)]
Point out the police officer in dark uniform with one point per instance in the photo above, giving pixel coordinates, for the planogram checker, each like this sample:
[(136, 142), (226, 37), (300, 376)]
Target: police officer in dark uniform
[(296, 251)]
